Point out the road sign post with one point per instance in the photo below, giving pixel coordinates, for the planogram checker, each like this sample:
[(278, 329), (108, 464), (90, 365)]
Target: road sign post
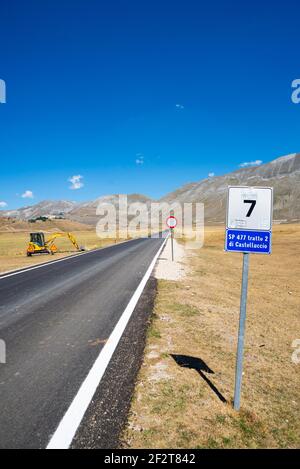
[(171, 223), (248, 230), (242, 322), (172, 246)]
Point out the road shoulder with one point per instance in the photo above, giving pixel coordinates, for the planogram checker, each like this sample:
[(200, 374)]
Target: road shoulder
[(106, 416)]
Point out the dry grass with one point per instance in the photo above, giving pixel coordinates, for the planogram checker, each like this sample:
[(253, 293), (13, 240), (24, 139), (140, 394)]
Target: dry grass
[(14, 225), (174, 406), (13, 247), (14, 238)]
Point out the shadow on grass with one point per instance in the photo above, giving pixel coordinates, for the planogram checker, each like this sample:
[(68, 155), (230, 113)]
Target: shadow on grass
[(199, 365)]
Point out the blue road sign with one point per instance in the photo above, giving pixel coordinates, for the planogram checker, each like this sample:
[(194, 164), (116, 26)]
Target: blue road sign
[(257, 242)]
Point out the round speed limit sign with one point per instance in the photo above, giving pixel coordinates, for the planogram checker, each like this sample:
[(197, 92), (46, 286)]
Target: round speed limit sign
[(171, 222)]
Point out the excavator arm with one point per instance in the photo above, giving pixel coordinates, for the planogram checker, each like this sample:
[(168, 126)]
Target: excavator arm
[(50, 241)]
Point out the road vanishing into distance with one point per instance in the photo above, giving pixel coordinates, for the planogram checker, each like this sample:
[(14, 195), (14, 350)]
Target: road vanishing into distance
[(54, 320)]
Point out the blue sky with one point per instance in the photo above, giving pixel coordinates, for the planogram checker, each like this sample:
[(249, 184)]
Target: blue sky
[(92, 89)]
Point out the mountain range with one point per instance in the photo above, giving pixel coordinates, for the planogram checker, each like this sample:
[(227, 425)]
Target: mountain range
[(283, 174)]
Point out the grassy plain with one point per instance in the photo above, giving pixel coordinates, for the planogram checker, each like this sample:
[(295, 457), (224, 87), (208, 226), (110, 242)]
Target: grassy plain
[(184, 392), (13, 245)]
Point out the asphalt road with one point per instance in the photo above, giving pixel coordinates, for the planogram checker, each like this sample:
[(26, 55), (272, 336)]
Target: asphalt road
[(55, 319)]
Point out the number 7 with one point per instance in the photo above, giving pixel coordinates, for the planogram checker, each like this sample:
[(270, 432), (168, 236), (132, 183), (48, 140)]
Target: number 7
[(253, 203)]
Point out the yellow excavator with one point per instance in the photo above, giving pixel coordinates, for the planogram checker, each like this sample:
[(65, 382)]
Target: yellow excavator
[(38, 245)]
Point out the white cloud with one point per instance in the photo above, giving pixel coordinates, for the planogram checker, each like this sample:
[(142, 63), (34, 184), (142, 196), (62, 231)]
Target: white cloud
[(179, 106), (139, 159), (76, 182), (251, 163), (27, 195), (3, 204), (211, 175)]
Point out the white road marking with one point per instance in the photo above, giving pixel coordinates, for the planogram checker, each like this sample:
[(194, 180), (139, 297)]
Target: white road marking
[(65, 432)]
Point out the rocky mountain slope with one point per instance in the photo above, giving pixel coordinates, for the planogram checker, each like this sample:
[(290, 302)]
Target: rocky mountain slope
[(86, 212), (283, 174), (49, 208)]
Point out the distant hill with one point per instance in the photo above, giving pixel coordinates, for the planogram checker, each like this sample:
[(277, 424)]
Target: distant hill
[(86, 212), (49, 208), (283, 174)]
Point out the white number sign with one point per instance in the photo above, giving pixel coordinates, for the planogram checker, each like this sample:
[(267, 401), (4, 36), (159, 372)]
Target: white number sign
[(250, 208)]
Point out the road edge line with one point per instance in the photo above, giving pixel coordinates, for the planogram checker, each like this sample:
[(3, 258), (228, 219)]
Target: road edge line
[(66, 430)]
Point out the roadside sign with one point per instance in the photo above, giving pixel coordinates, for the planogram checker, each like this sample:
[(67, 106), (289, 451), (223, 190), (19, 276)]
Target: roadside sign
[(171, 222), (248, 230), (249, 208), (249, 220), (258, 242)]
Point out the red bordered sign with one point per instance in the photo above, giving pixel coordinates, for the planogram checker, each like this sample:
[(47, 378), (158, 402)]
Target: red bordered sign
[(171, 222)]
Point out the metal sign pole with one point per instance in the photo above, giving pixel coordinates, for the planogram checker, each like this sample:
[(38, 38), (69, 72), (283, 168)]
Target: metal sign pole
[(172, 244), (240, 347), (171, 223)]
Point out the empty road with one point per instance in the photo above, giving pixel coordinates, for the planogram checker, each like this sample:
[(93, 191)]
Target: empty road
[(55, 319)]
